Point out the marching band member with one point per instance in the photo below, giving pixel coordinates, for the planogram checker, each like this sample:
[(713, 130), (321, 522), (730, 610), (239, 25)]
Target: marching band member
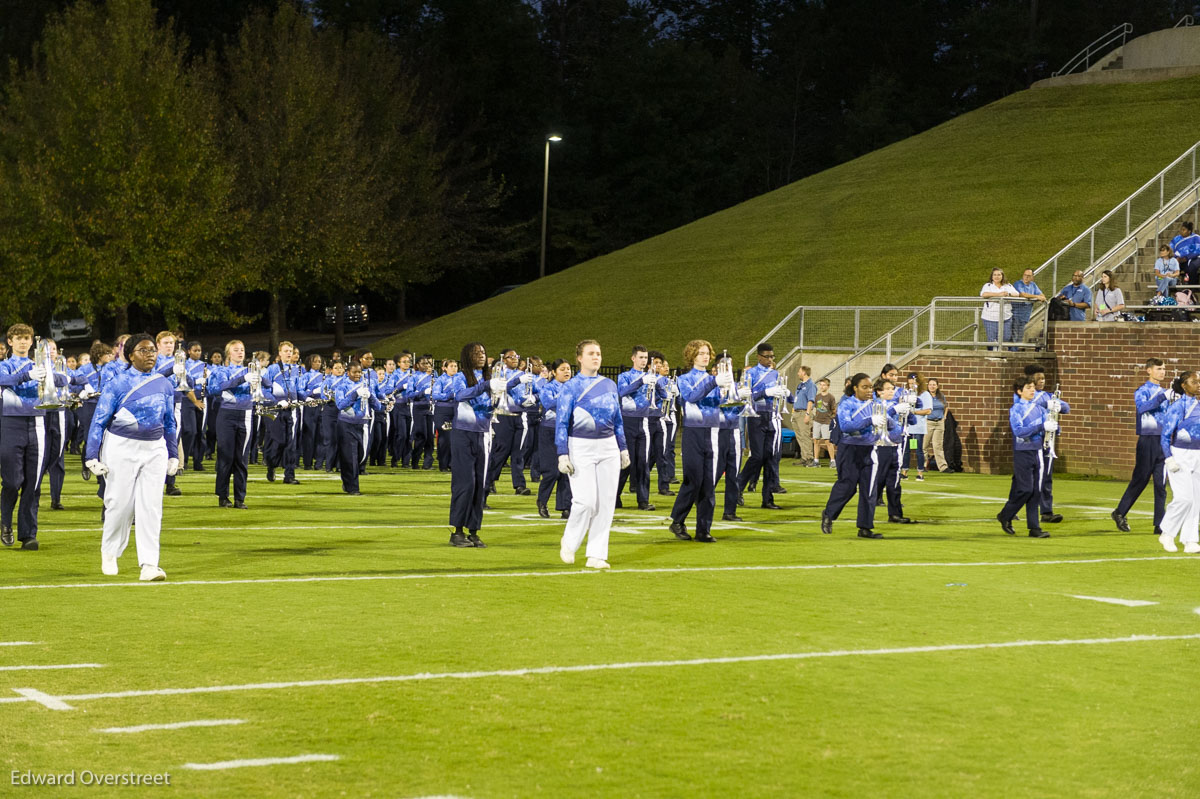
[(888, 450), (635, 387), (729, 455), (279, 443), (58, 430), (443, 411), (195, 408), (590, 440), (765, 431), (861, 420), (532, 411), (508, 438), (1047, 401), (1150, 402), (310, 417), (420, 395), (134, 419), (551, 478), (401, 414), (701, 396), (212, 405), (1180, 443), (235, 385), (165, 365), (470, 439), (23, 437), (354, 399), (88, 380), (1028, 420), (328, 458), (665, 465)]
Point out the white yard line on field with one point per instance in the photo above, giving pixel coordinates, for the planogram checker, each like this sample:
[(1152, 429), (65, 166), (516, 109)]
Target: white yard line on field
[(593, 667), (178, 725), (54, 667), (19, 643), (1129, 603), (260, 761)]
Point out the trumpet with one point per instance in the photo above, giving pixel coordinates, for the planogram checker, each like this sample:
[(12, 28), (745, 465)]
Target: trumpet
[(499, 399), (779, 404), (262, 405), (1048, 440), (181, 360), (878, 408), (748, 411), (652, 393), (729, 395), (48, 399)]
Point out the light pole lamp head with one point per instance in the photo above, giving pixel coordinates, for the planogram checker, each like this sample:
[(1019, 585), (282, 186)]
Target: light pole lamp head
[(554, 137)]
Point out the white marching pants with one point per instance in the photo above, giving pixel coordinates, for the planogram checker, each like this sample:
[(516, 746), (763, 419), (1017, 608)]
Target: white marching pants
[(597, 463), (133, 492), (1182, 517)]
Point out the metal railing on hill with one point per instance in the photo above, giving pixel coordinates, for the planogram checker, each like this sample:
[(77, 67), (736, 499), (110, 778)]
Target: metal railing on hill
[(1103, 44), (1186, 21), (839, 328)]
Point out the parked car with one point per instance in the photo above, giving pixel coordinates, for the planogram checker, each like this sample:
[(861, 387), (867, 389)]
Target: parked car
[(69, 327), (354, 317)]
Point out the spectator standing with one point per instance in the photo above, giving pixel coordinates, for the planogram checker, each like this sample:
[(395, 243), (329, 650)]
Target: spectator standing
[(1029, 290), (917, 420), (1110, 301), (802, 419), (824, 407), (1166, 271), (1077, 296), (935, 424), (997, 323)]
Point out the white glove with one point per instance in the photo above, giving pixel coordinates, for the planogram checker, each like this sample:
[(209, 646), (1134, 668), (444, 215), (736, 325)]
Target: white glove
[(1050, 425), (565, 466), (724, 379), (777, 391), (649, 379), (624, 459), (429, 391), (282, 405), (878, 419), (1172, 464), (498, 384), (200, 379), (672, 390), (529, 401), (526, 378), (96, 467), (172, 467), (320, 391), (1054, 405), (363, 391), (87, 392), (902, 408), (254, 380), (180, 371), (37, 373)]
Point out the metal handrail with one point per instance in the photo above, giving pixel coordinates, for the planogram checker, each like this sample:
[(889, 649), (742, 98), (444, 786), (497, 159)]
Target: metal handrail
[(1186, 22), (1084, 56), (802, 309)]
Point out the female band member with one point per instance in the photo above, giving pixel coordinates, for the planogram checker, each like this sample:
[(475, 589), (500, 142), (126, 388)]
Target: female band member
[(470, 442), (355, 400), (235, 423), (1181, 448), (590, 440), (701, 395), (858, 418), (328, 457), (443, 412), (548, 392)]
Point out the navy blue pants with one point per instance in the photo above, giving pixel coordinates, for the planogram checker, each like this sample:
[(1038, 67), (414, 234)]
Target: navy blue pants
[(422, 438), (887, 480), (529, 453), (351, 441), (699, 478), (637, 440), (210, 425), (22, 462), (400, 442), (508, 440), (1046, 499), (857, 471), (1028, 467), (233, 452), (764, 456), (279, 444), (551, 479), (441, 418), (666, 456), (468, 486), (191, 438), (56, 444), (310, 424), (729, 458), (1148, 464)]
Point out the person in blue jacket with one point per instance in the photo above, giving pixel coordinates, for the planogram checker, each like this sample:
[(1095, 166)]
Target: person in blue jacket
[(355, 400), (509, 429), (635, 387), (1150, 404), (1180, 443), (1029, 422), (764, 432), (1045, 399), (1186, 248), (443, 411), (420, 396), (551, 479), (133, 441), (194, 408), (235, 385), (326, 391), (590, 440), (280, 448)]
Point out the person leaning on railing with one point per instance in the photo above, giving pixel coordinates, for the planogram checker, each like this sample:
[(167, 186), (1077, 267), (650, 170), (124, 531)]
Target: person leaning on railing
[(1029, 290), (1110, 301), (1077, 296), (997, 287)]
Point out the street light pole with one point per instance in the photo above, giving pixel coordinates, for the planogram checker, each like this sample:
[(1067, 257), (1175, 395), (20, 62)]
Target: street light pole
[(546, 201)]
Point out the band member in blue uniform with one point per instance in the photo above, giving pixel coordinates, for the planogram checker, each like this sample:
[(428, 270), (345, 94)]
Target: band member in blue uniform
[(474, 389), (328, 458), (1046, 400), (729, 455), (533, 416), (863, 421), (355, 400), (166, 366), (22, 439), (88, 388), (508, 435), (670, 428), (194, 417), (551, 478), (764, 432), (59, 427), (638, 389), (279, 443), (700, 393), (443, 411), (310, 415), (1029, 422), (1180, 443), (1150, 403), (134, 443), (401, 413), (888, 450), (420, 395), (235, 385)]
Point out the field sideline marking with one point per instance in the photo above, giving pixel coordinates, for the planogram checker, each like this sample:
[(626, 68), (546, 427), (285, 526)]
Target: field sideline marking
[(1129, 603), (19, 643), (34, 695), (262, 761), (49, 668), (581, 572), (591, 667), (178, 725)]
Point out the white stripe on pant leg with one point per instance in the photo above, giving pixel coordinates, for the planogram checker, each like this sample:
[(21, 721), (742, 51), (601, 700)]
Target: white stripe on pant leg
[(1041, 474), (249, 435), (1190, 534), (715, 437), (874, 471), (39, 427), (646, 432), (62, 433)]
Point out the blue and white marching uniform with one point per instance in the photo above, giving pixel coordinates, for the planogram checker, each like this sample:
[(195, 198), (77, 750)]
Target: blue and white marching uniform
[(588, 428), (1027, 420), (310, 417), (701, 420), (763, 433), (443, 414), (193, 419), (859, 459), (327, 457), (1046, 500), (281, 445), (400, 430), (420, 395), (165, 366), (23, 456), (354, 415), (471, 448), (1180, 443), (509, 433), (1151, 404), (235, 430), (134, 432), (635, 413), (551, 479)]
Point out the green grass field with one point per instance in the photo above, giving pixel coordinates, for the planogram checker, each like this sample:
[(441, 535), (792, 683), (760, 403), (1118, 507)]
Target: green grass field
[(814, 700), (1005, 186)]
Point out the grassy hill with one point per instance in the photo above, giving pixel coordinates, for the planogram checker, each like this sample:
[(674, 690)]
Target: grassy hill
[(1006, 185)]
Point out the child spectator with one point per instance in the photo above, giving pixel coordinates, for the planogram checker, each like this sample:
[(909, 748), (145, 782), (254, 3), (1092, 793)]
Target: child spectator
[(1166, 271), (824, 407)]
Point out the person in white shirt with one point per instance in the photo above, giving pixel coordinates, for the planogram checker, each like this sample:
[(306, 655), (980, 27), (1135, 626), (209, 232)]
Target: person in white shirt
[(1109, 299), (997, 287)]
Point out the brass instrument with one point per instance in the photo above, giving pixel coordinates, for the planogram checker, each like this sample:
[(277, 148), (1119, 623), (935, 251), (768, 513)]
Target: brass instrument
[(779, 404), (499, 399), (1048, 439), (652, 392), (748, 411), (729, 396), (181, 360), (262, 405), (48, 399), (879, 408)]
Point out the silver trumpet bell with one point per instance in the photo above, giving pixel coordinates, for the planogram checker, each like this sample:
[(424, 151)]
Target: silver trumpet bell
[(48, 398)]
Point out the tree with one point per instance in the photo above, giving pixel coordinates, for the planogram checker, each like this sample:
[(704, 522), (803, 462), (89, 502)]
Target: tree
[(112, 189)]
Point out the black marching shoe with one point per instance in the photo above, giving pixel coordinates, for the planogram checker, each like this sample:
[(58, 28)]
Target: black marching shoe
[(1006, 525), (677, 528), (900, 520), (731, 517), (826, 524), (647, 506), (1122, 524), (565, 514), (6, 537), (56, 506), (1051, 518), (354, 493), (862, 533), (1038, 532), (87, 473), (199, 467), (704, 538), (270, 474), (1157, 531), (224, 503), (771, 506), (174, 491), (30, 544), (523, 491), (460, 540), (475, 542), (666, 492), (240, 505), (292, 481), (779, 490), (543, 511), (741, 503)]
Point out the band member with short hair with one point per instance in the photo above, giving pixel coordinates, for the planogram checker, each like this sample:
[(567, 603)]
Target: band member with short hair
[(1029, 422), (590, 440), (665, 465), (310, 416), (279, 442), (235, 384), (133, 442), (443, 411), (401, 414), (59, 427), (354, 399), (764, 432), (420, 395), (328, 458), (1151, 404), (508, 434), (701, 395), (862, 420), (729, 454), (1045, 399), (1180, 443), (551, 478), (166, 366), (636, 386), (193, 419), (888, 448)]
